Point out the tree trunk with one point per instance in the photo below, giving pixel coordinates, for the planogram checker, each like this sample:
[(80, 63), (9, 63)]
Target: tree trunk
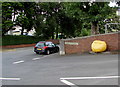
[(57, 33), (94, 28), (22, 31), (52, 35)]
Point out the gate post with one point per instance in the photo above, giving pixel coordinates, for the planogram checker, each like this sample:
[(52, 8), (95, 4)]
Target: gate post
[(62, 50)]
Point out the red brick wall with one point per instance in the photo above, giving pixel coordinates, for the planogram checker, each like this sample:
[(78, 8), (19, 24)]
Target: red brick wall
[(111, 39), (54, 41)]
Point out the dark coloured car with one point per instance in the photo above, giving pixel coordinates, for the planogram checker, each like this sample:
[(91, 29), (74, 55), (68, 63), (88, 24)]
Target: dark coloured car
[(45, 47)]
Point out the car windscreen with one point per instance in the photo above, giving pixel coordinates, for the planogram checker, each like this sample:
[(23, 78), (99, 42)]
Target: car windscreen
[(40, 45)]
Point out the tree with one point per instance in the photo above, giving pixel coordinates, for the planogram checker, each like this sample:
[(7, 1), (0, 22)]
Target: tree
[(49, 19), (7, 22), (25, 17), (24, 12), (48, 24), (29, 11), (22, 21), (92, 12)]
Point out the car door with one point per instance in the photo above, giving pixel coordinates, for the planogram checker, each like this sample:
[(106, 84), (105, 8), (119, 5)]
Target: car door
[(53, 47), (50, 47)]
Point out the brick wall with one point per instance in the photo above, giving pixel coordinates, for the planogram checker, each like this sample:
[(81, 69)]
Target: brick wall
[(84, 43), (54, 41)]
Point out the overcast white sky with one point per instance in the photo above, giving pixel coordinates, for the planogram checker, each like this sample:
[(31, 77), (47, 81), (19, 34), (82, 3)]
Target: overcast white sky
[(113, 4)]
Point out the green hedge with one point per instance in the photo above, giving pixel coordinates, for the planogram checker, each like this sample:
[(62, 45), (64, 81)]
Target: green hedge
[(16, 40)]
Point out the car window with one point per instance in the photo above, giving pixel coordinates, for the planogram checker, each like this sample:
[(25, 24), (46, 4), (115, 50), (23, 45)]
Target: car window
[(53, 45), (40, 45), (48, 43)]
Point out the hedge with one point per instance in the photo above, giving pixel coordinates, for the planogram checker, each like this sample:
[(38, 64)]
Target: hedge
[(16, 40)]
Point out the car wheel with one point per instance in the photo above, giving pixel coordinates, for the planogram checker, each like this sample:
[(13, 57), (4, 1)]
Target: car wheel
[(47, 52), (57, 50)]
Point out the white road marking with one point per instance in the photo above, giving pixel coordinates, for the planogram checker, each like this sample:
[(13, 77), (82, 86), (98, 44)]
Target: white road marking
[(67, 82), (9, 78), (21, 61), (18, 62), (50, 55), (75, 78), (43, 57), (35, 58), (64, 80)]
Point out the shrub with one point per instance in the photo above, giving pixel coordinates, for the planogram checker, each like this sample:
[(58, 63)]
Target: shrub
[(16, 40)]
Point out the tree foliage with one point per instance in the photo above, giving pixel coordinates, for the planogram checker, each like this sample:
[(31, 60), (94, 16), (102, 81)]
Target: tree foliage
[(90, 12), (71, 19), (7, 22)]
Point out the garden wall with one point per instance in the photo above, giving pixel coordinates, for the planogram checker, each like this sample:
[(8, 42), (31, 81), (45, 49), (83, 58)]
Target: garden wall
[(83, 44), (55, 41)]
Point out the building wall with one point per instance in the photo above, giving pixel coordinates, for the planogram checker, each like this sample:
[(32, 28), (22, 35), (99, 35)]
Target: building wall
[(17, 31), (84, 43)]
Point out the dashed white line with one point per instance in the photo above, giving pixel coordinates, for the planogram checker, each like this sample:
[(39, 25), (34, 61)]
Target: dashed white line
[(35, 58), (43, 57), (21, 61), (9, 78), (18, 62), (49, 55)]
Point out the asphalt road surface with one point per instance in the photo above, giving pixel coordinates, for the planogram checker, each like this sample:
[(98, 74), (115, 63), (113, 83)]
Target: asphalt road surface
[(22, 66)]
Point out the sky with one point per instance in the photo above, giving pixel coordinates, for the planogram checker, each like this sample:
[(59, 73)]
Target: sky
[(113, 4)]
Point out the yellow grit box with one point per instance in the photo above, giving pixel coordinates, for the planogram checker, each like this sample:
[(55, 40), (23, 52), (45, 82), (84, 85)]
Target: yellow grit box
[(98, 46)]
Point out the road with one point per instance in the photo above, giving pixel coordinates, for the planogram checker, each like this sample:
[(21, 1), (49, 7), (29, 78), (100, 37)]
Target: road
[(22, 66)]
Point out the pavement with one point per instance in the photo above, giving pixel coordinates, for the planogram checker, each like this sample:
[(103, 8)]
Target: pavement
[(3, 50), (22, 66)]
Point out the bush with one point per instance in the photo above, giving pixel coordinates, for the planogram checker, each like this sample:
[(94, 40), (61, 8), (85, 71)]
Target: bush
[(16, 40), (85, 32)]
